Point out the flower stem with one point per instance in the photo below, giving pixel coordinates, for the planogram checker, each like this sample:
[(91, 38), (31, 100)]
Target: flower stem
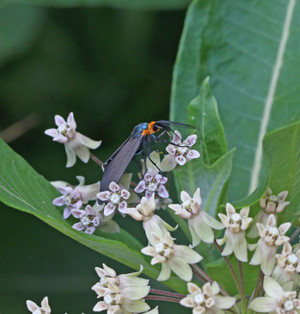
[(96, 160), (242, 285), (162, 298), (167, 293), (231, 269), (205, 277), (201, 273), (257, 287)]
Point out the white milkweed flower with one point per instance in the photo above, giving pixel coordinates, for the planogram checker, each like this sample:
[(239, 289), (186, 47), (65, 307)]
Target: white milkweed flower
[(35, 309), (75, 143), (288, 265), (276, 300), (200, 223), (270, 204), (270, 238), (152, 223), (234, 237), (206, 300), (172, 257), (121, 293)]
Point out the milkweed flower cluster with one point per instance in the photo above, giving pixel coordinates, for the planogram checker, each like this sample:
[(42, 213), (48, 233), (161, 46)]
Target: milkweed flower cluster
[(279, 262)]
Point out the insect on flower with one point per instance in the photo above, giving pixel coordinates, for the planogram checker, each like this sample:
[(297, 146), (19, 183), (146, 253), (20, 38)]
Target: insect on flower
[(140, 140)]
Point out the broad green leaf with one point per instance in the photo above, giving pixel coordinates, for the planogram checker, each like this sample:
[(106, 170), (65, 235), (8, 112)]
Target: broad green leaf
[(203, 114), (19, 27), (24, 189), (250, 51), (210, 179), (121, 4), (282, 152)]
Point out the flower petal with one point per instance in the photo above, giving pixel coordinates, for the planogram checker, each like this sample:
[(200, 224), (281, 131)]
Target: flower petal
[(240, 247), (165, 272), (187, 254), (224, 302), (181, 268), (263, 305), (71, 156), (273, 288)]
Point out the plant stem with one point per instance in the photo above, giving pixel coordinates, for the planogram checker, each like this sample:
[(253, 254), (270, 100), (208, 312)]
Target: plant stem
[(161, 298), (257, 287), (242, 285), (167, 293), (230, 268), (96, 160), (201, 273), (205, 277)]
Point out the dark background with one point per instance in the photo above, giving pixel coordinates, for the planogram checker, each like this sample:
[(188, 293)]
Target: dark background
[(113, 69)]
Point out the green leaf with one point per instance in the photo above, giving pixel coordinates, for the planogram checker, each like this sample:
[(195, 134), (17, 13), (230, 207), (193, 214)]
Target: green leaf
[(211, 171), (19, 27), (121, 4), (210, 179), (24, 189), (250, 50), (203, 114), (282, 152)]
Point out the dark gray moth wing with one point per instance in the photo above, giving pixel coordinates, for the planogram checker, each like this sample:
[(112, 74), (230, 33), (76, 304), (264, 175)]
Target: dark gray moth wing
[(116, 165)]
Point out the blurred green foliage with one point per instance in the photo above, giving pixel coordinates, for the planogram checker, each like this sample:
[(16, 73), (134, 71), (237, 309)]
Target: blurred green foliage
[(113, 69)]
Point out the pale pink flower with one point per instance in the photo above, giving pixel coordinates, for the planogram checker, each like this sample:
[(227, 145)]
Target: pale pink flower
[(276, 300), (288, 265), (152, 181), (116, 198), (152, 223), (74, 197), (121, 294), (43, 309), (270, 204), (206, 300), (179, 152), (200, 223), (75, 143), (90, 219), (270, 238), (172, 257), (234, 237)]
